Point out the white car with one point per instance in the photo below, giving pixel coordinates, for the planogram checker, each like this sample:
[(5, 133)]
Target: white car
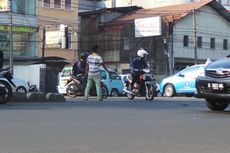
[(21, 85)]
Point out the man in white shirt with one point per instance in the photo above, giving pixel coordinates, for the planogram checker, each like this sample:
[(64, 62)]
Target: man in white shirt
[(94, 61)]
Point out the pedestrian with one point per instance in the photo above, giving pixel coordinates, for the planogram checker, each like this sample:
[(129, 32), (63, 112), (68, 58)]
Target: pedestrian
[(1, 59), (94, 61)]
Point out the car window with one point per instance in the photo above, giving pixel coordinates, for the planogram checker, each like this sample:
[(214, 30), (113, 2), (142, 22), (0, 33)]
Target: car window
[(66, 72), (190, 71), (103, 75), (114, 76)]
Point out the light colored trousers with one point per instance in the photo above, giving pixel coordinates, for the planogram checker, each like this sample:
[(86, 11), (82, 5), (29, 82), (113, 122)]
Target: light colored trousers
[(90, 81)]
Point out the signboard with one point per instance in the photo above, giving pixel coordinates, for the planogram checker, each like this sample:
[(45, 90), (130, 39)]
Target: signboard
[(18, 29), (53, 39), (148, 27), (3, 5)]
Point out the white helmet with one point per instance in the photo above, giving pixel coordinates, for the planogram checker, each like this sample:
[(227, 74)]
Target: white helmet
[(141, 52)]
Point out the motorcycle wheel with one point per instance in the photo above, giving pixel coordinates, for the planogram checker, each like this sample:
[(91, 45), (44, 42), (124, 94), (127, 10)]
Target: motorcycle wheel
[(149, 92), (104, 91), (72, 90), (6, 92)]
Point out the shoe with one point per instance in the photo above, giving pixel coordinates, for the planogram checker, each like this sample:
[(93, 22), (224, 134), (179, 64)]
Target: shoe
[(100, 100), (86, 99)]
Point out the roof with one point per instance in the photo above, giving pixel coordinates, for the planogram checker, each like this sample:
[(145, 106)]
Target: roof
[(174, 12), (103, 10)]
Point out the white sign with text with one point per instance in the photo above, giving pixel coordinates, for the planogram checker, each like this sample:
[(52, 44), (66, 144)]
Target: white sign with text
[(148, 27)]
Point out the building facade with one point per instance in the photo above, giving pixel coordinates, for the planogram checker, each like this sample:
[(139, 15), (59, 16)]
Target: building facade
[(174, 48), (24, 28), (58, 29)]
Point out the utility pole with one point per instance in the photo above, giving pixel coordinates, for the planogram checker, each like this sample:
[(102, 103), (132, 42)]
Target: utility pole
[(194, 37), (10, 35), (43, 41), (171, 51)]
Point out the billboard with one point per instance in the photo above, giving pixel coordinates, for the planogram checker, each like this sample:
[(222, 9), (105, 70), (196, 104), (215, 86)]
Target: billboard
[(3, 5), (146, 27), (53, 39)]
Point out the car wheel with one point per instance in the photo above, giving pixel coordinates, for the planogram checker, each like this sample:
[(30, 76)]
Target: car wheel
[(216, 104), (21, 89), (114, 93), (169, 90)]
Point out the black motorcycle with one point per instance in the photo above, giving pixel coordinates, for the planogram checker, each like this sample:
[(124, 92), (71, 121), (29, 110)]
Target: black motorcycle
[(6, 84), (75, 87), (146, 86)]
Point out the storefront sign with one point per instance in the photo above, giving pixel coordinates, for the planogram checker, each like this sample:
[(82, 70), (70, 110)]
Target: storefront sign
[(18, 29)]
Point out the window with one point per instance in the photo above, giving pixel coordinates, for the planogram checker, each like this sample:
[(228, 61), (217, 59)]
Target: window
[(225, 44), (185, 41), (3, 5), (68, 4), (69, 40), (4, 42), (199, 42), (127, 42), (57, 3), (18, 6), (46, 3), (212, 43)]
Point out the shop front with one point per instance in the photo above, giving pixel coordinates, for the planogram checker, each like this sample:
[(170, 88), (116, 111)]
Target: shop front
[(23, 39)]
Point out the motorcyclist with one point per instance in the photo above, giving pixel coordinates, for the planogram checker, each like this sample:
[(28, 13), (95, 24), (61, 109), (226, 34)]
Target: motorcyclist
[(137, 65), (80, 66)]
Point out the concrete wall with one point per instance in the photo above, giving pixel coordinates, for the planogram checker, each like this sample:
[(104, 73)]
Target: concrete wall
[(29, 73)]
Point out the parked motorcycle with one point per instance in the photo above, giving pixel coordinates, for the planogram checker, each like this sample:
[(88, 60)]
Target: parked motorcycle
[(32, 88), (75, 87), (146, 86), (5, 85)]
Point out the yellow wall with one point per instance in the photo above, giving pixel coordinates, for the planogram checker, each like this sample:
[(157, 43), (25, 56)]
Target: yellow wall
[(52, 18)]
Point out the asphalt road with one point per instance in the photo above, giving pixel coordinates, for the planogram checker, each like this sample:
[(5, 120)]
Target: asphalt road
[(116, 125)]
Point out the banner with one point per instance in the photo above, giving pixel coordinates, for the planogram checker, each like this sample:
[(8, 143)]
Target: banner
[(148, 27)]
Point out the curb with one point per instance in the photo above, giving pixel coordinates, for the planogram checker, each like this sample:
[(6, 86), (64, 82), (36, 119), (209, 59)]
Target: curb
[(37, 97)]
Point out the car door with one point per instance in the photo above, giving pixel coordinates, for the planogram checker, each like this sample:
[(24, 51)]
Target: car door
[(187, 79), (112, 80), (115, 82)]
